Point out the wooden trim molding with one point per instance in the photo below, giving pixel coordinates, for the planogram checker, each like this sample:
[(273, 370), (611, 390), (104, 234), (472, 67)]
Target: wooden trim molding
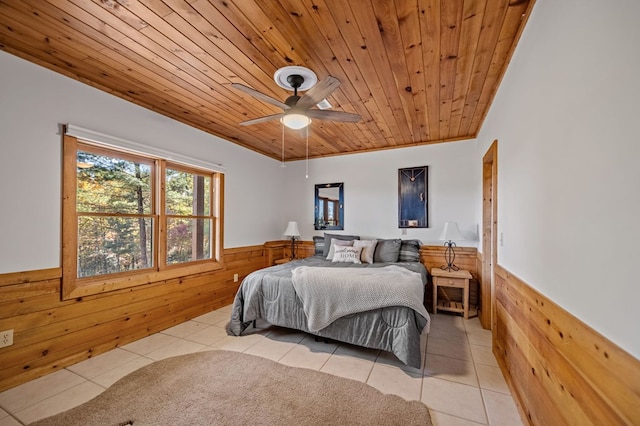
[(561, 371), (489, 234)]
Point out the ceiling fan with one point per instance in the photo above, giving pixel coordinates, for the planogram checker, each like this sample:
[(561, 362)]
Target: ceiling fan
[(298, 110)]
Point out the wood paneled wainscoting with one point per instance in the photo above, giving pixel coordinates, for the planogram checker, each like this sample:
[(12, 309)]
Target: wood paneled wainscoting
[(277, 250), (561, 372), (50, 334)]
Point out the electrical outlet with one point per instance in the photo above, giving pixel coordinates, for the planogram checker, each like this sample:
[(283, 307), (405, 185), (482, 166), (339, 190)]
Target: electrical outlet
[(6, 338), (235, 278)]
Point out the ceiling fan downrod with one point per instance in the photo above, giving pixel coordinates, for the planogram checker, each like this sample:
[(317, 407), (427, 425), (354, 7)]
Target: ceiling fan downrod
[(295, 81)]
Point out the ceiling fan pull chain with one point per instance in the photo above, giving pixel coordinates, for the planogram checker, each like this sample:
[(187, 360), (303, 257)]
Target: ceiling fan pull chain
[(283, 166), (307, 175)]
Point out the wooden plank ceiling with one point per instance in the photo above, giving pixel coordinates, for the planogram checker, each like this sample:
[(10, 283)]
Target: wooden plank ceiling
[(418, 72)]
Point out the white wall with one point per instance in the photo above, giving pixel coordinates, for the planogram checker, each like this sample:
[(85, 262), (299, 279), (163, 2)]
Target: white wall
[(371, 191), (34, 101), (258, 200), (566, 121)]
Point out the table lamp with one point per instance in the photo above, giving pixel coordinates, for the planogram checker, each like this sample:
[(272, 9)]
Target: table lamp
[(293, 233)]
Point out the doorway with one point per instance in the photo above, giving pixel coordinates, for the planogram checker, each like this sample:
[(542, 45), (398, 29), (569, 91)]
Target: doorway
[(489, 235)]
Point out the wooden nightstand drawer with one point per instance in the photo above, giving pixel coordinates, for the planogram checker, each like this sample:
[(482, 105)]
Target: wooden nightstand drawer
[(451, 282)]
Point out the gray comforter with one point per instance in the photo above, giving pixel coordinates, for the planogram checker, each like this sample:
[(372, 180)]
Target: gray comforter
[(269, 294)]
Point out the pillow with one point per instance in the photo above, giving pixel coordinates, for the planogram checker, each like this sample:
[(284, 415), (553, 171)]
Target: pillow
[(347, 254), (329, 237), (409, 251), (368, 248), (318, 243), (387, 251), (338, 243)]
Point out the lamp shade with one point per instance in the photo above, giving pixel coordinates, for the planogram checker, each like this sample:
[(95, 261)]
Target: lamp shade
[(450, 232), (292, 230), (295, 121)]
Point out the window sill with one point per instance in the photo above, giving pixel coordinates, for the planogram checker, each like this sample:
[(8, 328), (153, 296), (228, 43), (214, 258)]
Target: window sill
[(73, 289)]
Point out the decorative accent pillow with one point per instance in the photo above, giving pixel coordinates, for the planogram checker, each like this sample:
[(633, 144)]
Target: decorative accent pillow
[(318, 243), (338, 243), (409, 251), (368, 249), (387, 251), (329, 237), (347, 254)]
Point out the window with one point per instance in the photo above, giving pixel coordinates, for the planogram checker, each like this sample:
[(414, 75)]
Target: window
[(188, 211), (130, 219)]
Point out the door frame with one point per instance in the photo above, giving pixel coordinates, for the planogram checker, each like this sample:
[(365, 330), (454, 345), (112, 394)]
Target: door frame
[(489, 235)]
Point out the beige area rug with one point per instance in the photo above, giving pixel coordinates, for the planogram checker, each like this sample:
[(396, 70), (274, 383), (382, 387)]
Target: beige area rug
[(231, 388)]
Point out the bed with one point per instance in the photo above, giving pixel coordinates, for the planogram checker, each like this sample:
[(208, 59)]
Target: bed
[(382, 299)]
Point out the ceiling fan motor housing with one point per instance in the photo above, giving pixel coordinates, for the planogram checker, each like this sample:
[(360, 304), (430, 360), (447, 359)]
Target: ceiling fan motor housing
[(295, 80)]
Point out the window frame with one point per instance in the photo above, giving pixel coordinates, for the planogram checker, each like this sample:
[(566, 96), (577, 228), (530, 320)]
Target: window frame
[(162, 206), (73, 286)]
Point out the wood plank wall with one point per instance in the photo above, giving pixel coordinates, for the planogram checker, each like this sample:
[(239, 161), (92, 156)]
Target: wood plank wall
[(50, 334), (560, 371), (276, 250)]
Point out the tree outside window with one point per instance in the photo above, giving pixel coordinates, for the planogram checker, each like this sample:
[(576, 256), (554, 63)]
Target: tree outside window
[(128, 218)]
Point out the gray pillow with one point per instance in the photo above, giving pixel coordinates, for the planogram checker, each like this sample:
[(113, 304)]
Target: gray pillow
[(387, 251), (409, 251), (318, 243), (329, 237)]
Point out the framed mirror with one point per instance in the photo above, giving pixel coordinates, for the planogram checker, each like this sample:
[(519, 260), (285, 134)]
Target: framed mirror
[(329, 206)]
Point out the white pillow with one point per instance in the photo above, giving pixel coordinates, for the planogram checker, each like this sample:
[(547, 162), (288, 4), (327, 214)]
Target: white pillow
[(368, 248), (347, 254), (334, 243)]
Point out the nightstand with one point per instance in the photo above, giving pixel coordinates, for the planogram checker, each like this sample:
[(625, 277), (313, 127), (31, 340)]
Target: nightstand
[(455, 279), (282, 261)]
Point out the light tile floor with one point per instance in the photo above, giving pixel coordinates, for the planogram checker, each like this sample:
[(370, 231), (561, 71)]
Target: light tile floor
[(460, 380)]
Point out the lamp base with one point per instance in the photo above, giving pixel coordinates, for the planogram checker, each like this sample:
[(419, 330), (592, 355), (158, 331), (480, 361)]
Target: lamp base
[(449, 268), (449, 256), (293, 248)]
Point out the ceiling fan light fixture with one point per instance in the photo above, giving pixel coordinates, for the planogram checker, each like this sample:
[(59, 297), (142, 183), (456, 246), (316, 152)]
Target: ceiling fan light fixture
[(295, 121)]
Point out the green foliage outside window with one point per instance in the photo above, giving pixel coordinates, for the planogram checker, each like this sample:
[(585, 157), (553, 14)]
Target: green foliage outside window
[(187, 195), (116, 217), (112, 196)]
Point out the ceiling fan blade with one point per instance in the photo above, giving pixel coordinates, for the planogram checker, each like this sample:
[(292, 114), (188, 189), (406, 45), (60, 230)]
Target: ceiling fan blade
[(261, 119), (259, 95), (318, 92), (345, 117)]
